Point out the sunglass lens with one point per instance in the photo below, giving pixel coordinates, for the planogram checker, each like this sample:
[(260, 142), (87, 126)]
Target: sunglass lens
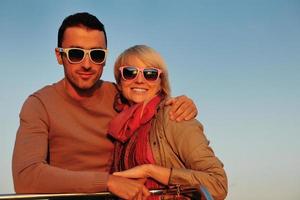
[(129, 73), (76, 55), (151, 74), (98, 55)]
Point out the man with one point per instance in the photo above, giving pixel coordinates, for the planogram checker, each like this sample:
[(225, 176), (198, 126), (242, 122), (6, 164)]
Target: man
[(61, 144)]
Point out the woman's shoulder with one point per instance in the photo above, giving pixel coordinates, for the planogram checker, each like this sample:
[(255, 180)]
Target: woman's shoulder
[(178, 130), (184, 136), (164, 116)]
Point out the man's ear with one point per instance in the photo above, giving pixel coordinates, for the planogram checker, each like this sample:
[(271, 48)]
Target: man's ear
[(58, 56)]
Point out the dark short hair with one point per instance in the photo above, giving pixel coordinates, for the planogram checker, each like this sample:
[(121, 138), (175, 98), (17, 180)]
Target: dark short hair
[(80, 19)]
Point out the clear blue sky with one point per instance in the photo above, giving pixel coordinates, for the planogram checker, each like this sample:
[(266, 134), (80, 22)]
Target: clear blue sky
[(238, 59)]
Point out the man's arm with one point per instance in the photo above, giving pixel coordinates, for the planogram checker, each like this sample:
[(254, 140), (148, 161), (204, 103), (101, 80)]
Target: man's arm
[(182, 108), (33, 174), (128, 188), (31, 171)]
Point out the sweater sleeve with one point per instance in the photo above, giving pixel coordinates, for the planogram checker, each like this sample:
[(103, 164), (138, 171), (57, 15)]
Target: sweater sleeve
[(202, 167), (31, 171)]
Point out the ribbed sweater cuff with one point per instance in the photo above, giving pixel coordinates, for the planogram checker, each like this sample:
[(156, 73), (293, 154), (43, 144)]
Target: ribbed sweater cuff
[(100, 182)]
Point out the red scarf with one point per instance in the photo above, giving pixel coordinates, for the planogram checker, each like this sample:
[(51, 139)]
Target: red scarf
[(131, 129)]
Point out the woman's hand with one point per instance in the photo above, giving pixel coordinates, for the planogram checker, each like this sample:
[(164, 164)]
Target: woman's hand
[(141, 171), (159, 173)]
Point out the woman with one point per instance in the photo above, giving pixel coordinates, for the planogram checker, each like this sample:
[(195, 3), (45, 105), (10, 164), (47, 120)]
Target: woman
[(148, 144)]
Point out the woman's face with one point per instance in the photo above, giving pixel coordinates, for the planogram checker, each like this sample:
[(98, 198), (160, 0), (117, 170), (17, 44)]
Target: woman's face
[(139, 89)]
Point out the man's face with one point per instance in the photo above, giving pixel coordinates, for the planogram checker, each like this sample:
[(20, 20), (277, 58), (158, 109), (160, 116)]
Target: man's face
[(85, 74)]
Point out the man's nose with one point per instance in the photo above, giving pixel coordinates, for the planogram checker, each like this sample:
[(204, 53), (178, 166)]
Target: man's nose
[(86, 63)]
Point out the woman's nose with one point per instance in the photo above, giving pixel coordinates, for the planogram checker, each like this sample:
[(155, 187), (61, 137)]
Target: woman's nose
[(140, 77)]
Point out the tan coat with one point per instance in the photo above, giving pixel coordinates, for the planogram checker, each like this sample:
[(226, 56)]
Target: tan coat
[(183, 147)]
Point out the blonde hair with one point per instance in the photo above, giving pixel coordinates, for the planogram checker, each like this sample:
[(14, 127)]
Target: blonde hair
[(150, 58)]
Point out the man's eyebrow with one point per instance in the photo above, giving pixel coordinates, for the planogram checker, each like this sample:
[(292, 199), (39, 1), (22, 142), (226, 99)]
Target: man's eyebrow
[(98, 48), (74, 46)]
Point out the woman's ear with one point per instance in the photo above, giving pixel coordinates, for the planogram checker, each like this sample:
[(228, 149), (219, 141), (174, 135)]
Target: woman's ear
[(58, 56)]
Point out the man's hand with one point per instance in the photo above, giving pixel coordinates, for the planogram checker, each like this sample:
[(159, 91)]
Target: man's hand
[(182, 108), (128, 188)]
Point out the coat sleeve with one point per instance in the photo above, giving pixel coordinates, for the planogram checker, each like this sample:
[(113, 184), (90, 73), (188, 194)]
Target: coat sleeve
[(202, 167), (31, 171)]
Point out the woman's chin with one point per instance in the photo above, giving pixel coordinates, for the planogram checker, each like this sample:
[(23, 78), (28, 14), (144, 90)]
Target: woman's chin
[(140, 100)]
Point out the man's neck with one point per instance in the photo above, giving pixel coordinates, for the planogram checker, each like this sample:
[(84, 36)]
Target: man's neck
[(80, 94)]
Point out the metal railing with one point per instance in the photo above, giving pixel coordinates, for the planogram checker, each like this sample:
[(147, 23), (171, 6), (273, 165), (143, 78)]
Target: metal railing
[(194, 193)]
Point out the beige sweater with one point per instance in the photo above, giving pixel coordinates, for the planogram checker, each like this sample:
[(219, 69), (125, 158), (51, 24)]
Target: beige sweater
[(183, 147), (61, 144)]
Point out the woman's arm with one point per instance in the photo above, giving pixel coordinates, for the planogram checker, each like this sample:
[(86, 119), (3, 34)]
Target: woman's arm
[(202, 167), (190, 145)]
